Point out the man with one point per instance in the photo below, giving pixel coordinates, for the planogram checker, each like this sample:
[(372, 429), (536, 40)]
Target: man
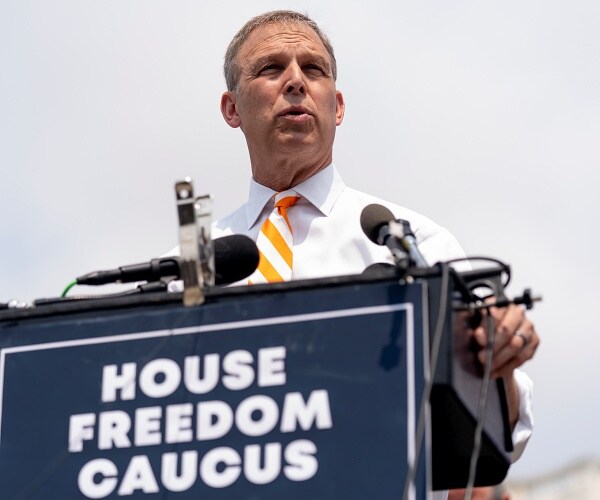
[(281, 71)]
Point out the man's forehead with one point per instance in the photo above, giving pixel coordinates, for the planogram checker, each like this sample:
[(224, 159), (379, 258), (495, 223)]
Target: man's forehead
[(278, 36)]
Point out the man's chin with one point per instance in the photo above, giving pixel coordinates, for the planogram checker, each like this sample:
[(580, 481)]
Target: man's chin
[(297, 137)]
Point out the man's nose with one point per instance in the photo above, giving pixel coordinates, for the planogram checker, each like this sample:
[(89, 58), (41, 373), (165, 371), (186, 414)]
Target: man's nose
[(295, 80)]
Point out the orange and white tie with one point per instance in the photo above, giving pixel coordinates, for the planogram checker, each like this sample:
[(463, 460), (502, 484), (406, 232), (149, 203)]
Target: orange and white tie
[(275, 242)]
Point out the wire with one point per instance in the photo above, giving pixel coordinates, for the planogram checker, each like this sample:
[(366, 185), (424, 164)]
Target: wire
[(435, 347), (505, 267), (481, 407), (68, 287), (435, 350)]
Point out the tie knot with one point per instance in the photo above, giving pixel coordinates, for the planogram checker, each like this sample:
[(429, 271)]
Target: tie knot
[(286, 199)]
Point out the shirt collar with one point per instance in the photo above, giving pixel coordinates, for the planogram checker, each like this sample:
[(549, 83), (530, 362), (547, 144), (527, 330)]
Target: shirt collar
[(322, 190)]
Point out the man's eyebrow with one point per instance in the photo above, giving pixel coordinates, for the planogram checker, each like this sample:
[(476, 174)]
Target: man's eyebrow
[(324, 62), (257, 64), (261, 61)]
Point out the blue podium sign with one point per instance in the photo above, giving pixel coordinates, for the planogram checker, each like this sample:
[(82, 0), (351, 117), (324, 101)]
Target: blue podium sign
[(306, 393)]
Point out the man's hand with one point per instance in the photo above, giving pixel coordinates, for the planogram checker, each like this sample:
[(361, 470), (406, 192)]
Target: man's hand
[(515, 340)]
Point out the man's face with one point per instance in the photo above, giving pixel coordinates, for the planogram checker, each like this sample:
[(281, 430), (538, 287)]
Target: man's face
[(286, 103)]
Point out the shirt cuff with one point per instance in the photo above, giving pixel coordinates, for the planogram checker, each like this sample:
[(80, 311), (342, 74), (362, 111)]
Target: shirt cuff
[(524, 427)]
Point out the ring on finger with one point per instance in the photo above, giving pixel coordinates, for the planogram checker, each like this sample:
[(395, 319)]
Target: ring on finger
[(525, 338)]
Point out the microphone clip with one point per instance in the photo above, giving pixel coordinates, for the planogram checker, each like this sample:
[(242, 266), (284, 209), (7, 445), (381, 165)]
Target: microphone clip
[(197, 262), (391, 235)]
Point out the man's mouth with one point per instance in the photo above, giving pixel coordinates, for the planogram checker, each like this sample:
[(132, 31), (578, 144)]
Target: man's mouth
[(295, 111), (296, 114)]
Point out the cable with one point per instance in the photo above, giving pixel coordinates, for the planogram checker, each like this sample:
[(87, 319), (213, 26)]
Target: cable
[(481, 407), (435, 350), (68, 287), (505, 267), (154, 286), (435, 347)]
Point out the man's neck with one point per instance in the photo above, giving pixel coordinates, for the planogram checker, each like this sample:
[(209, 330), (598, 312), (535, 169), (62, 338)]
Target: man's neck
[(287, 173)]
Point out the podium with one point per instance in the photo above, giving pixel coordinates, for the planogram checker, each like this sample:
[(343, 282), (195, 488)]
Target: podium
[(308, 389)]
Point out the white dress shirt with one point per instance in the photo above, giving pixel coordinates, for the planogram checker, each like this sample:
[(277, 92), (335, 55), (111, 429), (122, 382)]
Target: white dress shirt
[(328, 239)]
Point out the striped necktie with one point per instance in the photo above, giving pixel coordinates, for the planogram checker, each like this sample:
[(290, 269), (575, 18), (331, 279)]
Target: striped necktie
[(275, 242)]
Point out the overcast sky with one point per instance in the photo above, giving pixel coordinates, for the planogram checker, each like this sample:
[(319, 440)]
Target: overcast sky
[(485, 116)]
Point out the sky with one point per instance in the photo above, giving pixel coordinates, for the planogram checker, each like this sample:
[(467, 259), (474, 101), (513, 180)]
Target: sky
[(485, 116)]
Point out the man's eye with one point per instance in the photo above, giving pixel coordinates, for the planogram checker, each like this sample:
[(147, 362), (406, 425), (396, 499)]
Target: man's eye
[(314, 69), (269, 69)]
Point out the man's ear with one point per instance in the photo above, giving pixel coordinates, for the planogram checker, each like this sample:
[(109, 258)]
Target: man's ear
[(229, 110), (340, 108)]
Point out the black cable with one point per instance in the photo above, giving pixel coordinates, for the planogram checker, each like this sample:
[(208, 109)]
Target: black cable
[(435, 350), (469, 295), (481, 407), (505, 268)]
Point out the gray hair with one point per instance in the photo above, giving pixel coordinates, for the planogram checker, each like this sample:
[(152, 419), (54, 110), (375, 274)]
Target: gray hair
[(230, 67)]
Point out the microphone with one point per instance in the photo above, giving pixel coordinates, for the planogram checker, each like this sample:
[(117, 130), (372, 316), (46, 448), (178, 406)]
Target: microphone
[(380, 226), (236, 257)]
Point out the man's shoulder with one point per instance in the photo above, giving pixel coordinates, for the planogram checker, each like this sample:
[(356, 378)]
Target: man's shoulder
[(418, 221), (436, 241)]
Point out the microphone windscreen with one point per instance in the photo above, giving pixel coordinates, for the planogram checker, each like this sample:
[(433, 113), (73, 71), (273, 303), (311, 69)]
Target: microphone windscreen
[(236, 257), (372, 218)]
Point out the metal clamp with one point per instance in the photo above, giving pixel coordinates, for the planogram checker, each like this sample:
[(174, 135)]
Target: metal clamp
[(197, 266)]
